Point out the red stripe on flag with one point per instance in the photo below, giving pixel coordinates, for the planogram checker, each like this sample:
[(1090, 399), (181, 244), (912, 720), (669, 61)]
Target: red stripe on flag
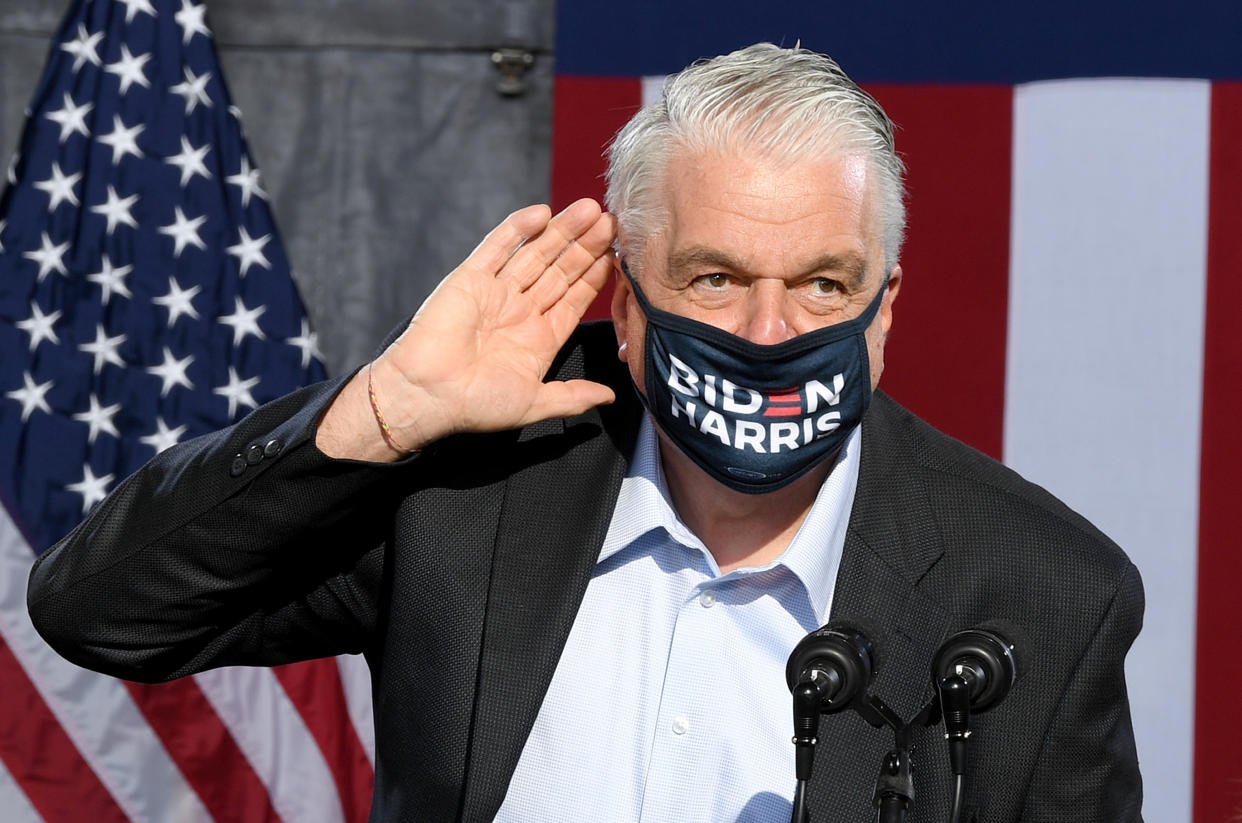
[(59, 783), (782, 411), (785, 398), (588, 111), (316, 691), (205, 751), (945, 357), (1218, 670)]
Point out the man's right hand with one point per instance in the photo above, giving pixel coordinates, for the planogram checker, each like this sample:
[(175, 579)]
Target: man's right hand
[(475, 355)]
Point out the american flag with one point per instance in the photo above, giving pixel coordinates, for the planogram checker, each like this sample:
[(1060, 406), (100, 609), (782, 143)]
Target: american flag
[(145, 298), (1071, 271)]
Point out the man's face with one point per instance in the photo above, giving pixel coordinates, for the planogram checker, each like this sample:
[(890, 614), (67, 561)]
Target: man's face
[(763, 250)]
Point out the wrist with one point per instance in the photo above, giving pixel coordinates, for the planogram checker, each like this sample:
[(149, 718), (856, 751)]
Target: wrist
[(350, 428), (390, 438), (347, 429)]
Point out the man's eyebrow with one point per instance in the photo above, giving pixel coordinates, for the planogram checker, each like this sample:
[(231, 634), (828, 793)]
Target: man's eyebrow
[(697, 256), (849, 264)]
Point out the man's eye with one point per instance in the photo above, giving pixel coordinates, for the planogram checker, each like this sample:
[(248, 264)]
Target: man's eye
[(715, 281), (822, 285)]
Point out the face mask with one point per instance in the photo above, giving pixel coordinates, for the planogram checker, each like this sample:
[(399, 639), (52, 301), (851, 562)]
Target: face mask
[(755, 417)]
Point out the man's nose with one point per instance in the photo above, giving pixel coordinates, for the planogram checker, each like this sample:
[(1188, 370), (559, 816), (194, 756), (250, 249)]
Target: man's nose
[(766, 319)]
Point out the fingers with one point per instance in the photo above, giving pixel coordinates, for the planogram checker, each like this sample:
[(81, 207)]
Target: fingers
[(530, 246), (574, 262), (577, 225), (565, 315), (501, 242)]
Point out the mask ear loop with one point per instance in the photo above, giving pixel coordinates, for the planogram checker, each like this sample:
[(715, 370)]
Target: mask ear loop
[(638, 291)]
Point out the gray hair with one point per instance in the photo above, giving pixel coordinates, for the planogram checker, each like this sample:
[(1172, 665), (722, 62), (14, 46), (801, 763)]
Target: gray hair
[(788, 104)]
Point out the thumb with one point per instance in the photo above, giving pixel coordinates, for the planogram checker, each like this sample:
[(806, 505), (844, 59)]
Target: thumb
[(567, 398)]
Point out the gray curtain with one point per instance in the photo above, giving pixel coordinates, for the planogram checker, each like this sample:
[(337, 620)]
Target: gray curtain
[(383, 140)]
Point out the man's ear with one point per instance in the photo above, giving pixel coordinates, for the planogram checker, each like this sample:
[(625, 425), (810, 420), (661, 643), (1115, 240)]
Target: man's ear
[(620, 312), (886, 307)]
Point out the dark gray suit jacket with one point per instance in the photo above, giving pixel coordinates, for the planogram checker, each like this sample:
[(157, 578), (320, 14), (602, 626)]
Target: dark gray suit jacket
[(458, 573)]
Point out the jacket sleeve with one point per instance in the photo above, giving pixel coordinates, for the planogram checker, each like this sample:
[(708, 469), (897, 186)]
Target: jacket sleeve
[(248, 546), (1088, 766)]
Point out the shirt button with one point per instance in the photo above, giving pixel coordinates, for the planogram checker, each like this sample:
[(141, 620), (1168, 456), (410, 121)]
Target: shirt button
[(708, 599), (681, 725), (254, 454), (272, 448), (237, 466)]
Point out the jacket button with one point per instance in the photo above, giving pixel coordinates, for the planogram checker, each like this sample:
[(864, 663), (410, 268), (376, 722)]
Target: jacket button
[(273, 448), (254, 454), (237, 466)]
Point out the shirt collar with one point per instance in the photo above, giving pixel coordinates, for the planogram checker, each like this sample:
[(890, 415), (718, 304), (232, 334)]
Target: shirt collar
[(644, 503), (813, 556)]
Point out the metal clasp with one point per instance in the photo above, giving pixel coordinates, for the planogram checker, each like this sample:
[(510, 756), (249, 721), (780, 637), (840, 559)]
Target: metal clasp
[(512, 64)]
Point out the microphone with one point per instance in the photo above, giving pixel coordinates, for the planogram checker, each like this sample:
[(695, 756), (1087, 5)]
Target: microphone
[(827, 671), (973, 671), (984, 660)]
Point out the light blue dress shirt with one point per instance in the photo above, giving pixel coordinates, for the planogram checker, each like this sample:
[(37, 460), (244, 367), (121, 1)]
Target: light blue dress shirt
[(669, 702)]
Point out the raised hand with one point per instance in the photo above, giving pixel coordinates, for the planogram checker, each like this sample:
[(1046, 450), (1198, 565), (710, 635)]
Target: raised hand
[(475, 355)]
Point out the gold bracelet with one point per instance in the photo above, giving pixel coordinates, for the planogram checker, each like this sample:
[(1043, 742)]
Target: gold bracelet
[(379, 417)]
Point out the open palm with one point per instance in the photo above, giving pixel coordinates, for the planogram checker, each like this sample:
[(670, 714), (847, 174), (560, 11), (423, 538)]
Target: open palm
[(475, 355)]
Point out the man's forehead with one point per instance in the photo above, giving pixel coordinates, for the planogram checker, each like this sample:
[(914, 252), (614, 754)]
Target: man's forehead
[(848, 169), (742, 211)]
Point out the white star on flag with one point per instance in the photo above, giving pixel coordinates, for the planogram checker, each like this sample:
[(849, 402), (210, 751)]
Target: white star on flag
[(122, 140), (193, 89), (244, 321), (49, 257), (83, 47), (178, 301), (247, 179), (163, 438), (117, 209), (237, 391), (59, 187), (111, 279), (93, 489), (308, 343), (72, 119), (249, 251), (104, 349), (183, 230), (172, 372), (190, 161), (31, 396), (190, 19), (132, 7), (130, 68), (99, 418), (39, 326)]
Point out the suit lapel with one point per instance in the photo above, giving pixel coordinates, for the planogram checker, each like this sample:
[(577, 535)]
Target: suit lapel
[(892, 541), (553, 521)]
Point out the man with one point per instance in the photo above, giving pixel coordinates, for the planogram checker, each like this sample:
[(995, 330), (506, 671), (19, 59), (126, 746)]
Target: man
[(574, 608)]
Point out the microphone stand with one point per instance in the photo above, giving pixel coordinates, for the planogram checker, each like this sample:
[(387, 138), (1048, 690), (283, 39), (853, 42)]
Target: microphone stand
[(894, 786)]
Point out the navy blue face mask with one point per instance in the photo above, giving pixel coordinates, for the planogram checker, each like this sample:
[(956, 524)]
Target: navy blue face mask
[(755, 417)]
